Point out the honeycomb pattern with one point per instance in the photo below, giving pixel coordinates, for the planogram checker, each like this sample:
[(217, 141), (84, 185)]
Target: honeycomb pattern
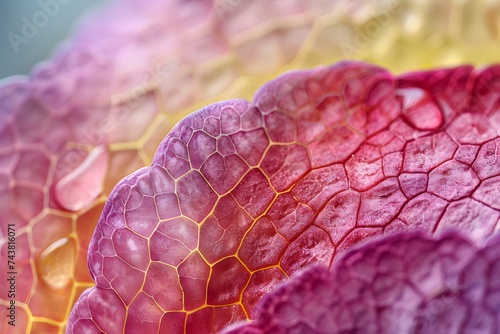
[(225, 201), (97, 111)]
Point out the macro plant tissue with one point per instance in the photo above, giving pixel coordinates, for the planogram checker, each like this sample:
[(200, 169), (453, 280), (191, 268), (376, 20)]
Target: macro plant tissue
[(251, 166)]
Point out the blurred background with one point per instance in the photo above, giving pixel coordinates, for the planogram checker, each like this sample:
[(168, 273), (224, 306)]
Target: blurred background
[(60, 26)]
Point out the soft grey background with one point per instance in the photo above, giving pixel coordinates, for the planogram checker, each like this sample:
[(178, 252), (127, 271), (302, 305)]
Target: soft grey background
[(57, 29)]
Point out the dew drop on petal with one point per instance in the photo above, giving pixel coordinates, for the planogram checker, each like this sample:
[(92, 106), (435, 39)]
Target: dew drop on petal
[(56, 263), (88, 178)]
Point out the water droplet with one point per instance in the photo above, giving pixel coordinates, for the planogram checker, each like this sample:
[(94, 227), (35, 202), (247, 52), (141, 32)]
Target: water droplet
[(81, 186), (56, 263)]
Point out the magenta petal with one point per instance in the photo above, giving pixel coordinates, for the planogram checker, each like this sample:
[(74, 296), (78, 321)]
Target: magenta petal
[(240, 196), (404, 283)]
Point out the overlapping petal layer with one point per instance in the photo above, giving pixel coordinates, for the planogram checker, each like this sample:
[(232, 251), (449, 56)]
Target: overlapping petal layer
[(240, 196), (403, 283)]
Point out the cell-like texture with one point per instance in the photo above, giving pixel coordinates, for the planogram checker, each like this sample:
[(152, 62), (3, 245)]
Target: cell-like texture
[(294, 201), (403, 283), (97, 110)]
